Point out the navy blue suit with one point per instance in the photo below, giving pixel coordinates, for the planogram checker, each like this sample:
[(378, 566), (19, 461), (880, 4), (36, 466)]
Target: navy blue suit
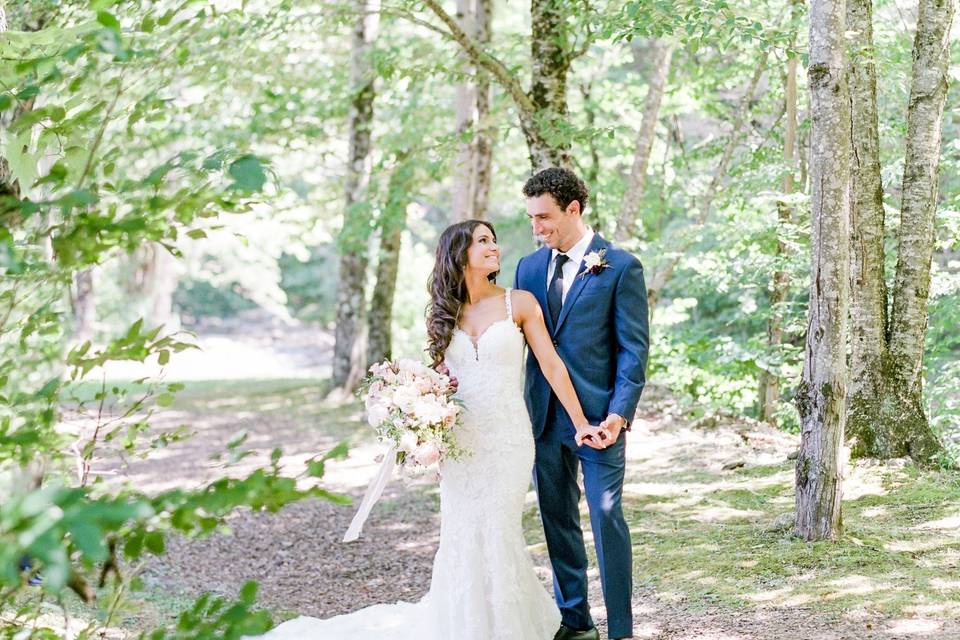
[(602, 336)]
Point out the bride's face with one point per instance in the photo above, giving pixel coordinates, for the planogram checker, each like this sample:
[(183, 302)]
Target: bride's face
[(483, 256)]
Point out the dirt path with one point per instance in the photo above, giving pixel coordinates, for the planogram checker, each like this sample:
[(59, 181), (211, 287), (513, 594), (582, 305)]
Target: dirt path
[(681, 503)]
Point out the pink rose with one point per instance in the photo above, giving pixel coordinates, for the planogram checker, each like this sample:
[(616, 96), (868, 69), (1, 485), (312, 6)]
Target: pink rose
[(426, 454)]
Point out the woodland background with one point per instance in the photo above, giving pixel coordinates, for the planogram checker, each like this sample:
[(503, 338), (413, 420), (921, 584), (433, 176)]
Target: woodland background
[(266, 180)]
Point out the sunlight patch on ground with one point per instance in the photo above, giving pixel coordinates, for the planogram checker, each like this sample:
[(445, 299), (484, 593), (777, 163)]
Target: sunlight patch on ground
[(914, 626), (862, 481), (945, 585), (856, 585), (879, 511), (950, 523), (720, 513), (771, 595)]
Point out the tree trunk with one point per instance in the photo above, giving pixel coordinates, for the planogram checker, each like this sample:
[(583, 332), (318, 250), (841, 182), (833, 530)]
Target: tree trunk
[(348, 348), (887, 417), (821, 398), (472, 164), (868, 302), (769, 380), (392, 222), (909, 427), (484, 136), (592, 170), (84, 305), (551, 57), (626, 223)]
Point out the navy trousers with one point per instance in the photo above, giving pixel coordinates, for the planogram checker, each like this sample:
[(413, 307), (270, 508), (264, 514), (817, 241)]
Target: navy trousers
[(555, 475)]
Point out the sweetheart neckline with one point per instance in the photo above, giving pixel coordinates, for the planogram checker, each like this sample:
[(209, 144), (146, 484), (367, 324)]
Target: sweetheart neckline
[(476, 340)]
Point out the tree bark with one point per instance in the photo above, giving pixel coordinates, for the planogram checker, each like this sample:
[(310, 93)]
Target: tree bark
[(886, 413), (911, 289), (769, 380), (626, 222), (472, 163), (868, 302), (550, 54), (392, 222), (84, 305), (821, 398), (348, 347), (591, 172)]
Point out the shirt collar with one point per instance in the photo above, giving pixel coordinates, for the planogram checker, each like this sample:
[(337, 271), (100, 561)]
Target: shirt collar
[(578, 250)]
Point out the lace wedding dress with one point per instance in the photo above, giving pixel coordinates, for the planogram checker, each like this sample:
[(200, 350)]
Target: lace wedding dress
[(484, 586)]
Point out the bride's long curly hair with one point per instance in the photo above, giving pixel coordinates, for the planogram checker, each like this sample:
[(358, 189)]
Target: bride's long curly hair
[(448, 291)]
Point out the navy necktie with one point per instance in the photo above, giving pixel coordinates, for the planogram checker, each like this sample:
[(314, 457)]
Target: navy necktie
[(555, 291)]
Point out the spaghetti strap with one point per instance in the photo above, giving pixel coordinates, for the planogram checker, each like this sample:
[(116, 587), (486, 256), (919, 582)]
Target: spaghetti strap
[(509, 304)]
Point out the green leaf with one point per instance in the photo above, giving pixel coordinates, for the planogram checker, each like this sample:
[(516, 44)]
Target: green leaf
[(108, 20), (155, 543), (165, 399), (248, 593), (196, 234), (247, 173)]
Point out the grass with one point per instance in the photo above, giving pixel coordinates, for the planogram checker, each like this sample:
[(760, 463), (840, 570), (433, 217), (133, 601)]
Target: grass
[(895, 557)]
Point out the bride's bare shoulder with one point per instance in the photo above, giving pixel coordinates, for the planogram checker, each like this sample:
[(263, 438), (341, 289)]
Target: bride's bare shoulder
[(524, 303)]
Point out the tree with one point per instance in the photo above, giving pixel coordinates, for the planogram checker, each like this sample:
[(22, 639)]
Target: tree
[(348, 348), (391, 223), (472, 166), (821, 397), (887, 417), (543, 110), (626, 223), (770, 380)]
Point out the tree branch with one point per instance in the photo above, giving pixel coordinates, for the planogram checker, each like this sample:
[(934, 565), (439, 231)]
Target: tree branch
[(483, 59)]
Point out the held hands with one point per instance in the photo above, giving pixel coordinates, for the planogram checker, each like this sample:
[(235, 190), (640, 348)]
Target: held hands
[(590, 436), (601, 436)]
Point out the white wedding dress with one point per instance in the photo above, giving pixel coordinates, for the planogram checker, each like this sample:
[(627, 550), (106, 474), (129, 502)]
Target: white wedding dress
[(484, 586)]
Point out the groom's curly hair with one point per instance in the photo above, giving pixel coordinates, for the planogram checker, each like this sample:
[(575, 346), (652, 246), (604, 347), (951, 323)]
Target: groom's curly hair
[(562, 184)]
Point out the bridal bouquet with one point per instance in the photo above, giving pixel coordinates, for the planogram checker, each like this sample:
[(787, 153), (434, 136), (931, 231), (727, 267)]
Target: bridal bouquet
[(410, 406)]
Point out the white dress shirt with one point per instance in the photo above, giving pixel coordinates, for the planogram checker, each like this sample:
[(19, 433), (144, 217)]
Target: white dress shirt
[(572, 266)]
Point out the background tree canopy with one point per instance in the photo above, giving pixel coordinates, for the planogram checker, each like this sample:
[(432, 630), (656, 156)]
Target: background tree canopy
[(173, 170)]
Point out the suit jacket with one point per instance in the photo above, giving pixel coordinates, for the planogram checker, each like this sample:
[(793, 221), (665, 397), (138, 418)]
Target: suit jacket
[(602, 336)]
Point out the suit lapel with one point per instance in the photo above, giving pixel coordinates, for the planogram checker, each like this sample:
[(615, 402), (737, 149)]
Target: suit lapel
[(579, 283), (541, 261)]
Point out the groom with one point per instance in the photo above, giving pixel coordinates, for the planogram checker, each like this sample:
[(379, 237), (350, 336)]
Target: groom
[(595, 302)]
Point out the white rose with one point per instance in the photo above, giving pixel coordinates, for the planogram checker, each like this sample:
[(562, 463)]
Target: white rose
[(592, 260), (404, 397), (377, 414), (408, 442)]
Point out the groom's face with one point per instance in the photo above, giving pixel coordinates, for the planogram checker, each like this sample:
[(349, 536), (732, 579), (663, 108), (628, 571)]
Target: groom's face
[(555, 227)]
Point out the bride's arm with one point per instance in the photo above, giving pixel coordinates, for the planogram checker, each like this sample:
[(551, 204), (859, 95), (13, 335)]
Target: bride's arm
[(527, 313)]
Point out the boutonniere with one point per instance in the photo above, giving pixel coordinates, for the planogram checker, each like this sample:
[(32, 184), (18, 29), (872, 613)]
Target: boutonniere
[(593, 263)]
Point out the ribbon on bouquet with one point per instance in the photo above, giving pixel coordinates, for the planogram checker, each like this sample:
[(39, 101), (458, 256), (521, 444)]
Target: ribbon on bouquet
[(373, 493)]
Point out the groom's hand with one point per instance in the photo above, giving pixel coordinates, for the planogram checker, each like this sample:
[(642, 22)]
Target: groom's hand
[(611, 428), (589, 436)]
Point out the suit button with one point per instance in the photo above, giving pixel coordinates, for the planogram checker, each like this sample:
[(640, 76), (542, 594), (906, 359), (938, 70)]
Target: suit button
[(556, 344)]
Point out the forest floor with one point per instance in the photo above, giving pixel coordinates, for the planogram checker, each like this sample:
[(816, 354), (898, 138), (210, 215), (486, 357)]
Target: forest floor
[(710, 561), (706, 501)]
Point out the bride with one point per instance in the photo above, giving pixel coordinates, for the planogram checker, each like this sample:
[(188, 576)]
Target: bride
[(484, 586)]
